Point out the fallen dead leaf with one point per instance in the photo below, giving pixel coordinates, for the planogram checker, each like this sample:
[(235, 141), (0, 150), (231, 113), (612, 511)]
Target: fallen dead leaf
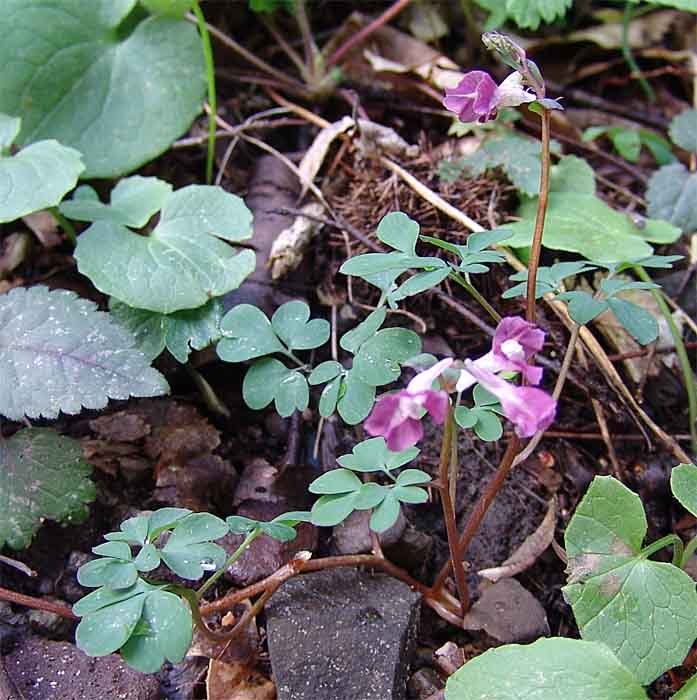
[(288, 250), (237, 682)]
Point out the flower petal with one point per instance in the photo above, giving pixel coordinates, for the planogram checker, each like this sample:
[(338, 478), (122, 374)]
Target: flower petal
[(385, 415), (423, 380), (474, 97), (511, 92), (515, 342), (437, 404), (405, 435)]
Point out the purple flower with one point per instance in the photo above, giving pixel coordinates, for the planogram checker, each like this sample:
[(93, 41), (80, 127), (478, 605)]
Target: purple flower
[(528, 408), (515, 342), (397, 416), (477, 97)]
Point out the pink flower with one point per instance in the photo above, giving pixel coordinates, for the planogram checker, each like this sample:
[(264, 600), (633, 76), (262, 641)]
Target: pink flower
[(529, 409), (515, 342), (397, 416), (477, 97)]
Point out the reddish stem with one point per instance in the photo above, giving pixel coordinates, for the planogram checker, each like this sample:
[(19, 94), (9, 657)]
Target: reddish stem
[(37, 603), (369, 28)]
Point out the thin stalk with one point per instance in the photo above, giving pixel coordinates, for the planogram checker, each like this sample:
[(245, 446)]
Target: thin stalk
[(364, 33), (476, 296), (668, 541), (681, 351), (444, 473), (480, 510), (36, 603), (210, 79), (232, 559), (285, 46), (67, 227), (629, 56), (309, 46), (689, 551), (542, 202)]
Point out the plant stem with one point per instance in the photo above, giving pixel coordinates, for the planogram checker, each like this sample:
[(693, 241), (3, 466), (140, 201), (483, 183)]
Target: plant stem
[(681, 351), (309, 46), (689, 551), (36, 603), (629, 56), (476, 296), (232, 559), (67, 227), (542, 202), (369, 28), (667, 541), (445, 471), (480, 510), (210, 78)]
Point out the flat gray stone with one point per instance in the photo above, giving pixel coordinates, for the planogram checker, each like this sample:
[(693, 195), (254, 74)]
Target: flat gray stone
[(342, 634)]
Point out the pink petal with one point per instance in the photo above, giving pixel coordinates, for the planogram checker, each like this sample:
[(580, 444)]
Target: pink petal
[(511, 92), (405, 435), (529, 409), (530, 337), (474, 98), (384, 416), (437, 404), (423, 380)]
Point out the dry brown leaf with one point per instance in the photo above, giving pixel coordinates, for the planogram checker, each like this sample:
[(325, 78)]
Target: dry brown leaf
[(528, 552), (288, 250), (237, 682)]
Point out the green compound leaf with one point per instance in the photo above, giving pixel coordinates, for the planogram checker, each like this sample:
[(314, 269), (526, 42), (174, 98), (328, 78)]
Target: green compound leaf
[(180, 332), (518, 157), (292, 325), (119, 102), (182, 263), (58, 353), (269, 380), (683, 130), (548, 669), (399, 231), (134, 201), (638, 322), (485, 423), (35, 178), (584, 224), (42, 476), (352, 340), (189, 546), (164, 633), (683, 484), (170, 8), (357, 399), (248, 334), (641, 609), (372, 455), (549, 279), (672, 195), (583, 307), (377, 362), (146, 528)]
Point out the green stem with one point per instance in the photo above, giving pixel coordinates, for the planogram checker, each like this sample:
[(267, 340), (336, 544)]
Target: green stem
[(629, 56), (67, 227), (210, 78), (689, 551), (683, 358), (233, 558), (667, 541), (688, 691), (476, 296)]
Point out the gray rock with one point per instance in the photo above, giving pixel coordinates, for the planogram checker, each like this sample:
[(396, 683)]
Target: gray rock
[(41, 670), (352, 535), (342, 634)]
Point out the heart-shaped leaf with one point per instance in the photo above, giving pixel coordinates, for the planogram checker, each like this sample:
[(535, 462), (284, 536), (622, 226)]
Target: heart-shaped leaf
[(261, 382), (292, 325), (357, 399), (336, 481), (386, 514), (372, 455), (180, 332), (325, 372), (248, 334), (399, 231), (182, 263), (35, 178), (42, 476), (641, 609), (134, 201), (292, 393), (683, 484), (378, 360), (548, 669), (119, 100), (352, 340), (58, 353)]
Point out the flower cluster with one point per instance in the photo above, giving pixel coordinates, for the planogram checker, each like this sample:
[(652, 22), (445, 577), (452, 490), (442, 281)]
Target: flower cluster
[(397, 416), (478, 98)]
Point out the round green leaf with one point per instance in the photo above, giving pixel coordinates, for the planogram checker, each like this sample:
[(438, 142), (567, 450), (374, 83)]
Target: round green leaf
[(148, 558), (261, 382), (37, 177), (325, 372), (410, 494), (279, 531), (113, 573), (182, 263), (671, 194), (683, 484), (292, 393), (116, 550), (59, 354), (292, 325), (248, 334), (549, 669), (378, 360), (400, 232), (329, 398), (386, 514), (410, 477), (42, 476), (488, 426), (465, 417), (239, 525), (330, 510), (370, 495), (357, 400), (336, 481), (119, 102), (683, 130)]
